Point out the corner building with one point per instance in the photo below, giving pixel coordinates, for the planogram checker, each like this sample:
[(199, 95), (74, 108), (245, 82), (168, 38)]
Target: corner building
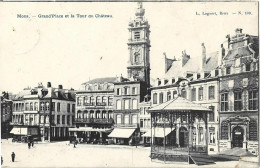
[(43, 112)]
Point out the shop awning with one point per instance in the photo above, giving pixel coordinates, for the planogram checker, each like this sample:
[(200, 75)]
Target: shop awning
[(19, 131), (121, 132), (90, 129), (158, 132)]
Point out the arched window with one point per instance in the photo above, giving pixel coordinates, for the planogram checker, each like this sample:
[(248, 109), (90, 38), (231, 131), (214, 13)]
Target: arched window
[(98, 100), (85, 114), (104, 114), (98, 115), (79, 114), (155, 98)]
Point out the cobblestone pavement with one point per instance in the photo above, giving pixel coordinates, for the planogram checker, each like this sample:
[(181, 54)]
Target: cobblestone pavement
[(60, 154)]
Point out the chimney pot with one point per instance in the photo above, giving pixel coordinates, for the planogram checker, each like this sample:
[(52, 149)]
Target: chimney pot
[(60, 87), (48, 84)]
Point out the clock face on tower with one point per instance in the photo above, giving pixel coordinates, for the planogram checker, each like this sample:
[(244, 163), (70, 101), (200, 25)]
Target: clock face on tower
[(136, 56)]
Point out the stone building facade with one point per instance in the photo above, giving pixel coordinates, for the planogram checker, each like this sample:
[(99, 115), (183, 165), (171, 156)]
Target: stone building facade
[(94, 110), (43, 112), (239, 93)]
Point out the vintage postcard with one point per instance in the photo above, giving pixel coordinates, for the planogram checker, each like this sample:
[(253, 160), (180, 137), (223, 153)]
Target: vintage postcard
[(129, 84)]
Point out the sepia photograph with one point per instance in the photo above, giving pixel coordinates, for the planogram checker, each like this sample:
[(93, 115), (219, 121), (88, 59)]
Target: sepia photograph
[(129, 84)]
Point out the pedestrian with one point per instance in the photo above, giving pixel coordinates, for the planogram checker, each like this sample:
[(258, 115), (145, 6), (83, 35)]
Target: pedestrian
[(13, 156), (2, 161), (32, 143), (29, 145), (75, 144)]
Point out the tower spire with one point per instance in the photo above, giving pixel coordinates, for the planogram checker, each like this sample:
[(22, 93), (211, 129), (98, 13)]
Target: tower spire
[(139, 11)]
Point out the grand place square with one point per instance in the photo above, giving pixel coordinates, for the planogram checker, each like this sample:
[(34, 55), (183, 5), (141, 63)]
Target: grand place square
[(201, 111)]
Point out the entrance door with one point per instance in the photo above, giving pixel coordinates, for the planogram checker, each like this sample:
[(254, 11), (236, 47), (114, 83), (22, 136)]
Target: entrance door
[(183, 137), (237, 135)]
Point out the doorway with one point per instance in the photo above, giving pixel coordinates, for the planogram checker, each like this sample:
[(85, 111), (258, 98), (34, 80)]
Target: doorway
[(237, 137), (183, 137)]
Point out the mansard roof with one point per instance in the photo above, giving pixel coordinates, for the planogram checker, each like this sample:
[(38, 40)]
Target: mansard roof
[(101, 80), (192, 65)]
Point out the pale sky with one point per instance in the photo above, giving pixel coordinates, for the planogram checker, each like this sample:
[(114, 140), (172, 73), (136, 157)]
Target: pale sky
[(67, 51)]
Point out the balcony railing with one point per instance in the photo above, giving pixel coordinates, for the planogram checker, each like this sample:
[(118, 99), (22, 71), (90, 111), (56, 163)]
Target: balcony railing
[(174, 150), (16, 123), (127, 125), (101, 104), (31, 124), (94, 120)]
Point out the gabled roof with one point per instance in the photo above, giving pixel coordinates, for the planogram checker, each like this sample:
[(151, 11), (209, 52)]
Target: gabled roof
[(178, 104), (101, 80), (238, 52)]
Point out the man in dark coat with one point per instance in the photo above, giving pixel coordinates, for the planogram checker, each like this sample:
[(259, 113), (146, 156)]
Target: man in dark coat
[(13, 156), (29, 145)]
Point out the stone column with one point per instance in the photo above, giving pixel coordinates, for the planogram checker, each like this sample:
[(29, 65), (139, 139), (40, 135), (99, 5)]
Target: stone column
[(177, 136), (244, 137), (229, 136)]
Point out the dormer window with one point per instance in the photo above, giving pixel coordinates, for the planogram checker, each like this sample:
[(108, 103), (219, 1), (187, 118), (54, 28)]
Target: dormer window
[(206, 75), (173, 80), (228, 70), (159, 83), (137, 35), (165, 81), (248, 67), (216, 72), (198, 76)]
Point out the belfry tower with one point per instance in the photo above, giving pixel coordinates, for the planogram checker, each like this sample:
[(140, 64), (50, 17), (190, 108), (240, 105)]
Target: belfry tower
[(138, 65)]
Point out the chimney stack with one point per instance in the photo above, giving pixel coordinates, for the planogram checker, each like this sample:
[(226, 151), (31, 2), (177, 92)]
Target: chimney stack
[(238, 31), (203, 59), (185, 58), (60, 87), (48, 84)]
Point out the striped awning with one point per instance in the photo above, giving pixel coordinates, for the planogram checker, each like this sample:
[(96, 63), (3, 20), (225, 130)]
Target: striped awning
[(122, 133), (19, 131)]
